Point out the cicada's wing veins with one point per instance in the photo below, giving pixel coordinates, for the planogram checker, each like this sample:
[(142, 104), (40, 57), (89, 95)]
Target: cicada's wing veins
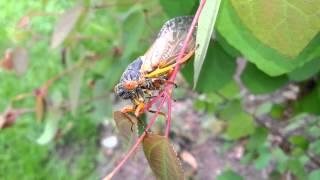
[(167, 46)]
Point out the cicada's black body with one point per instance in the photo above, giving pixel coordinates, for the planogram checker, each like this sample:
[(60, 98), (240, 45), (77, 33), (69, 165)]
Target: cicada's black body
[(132, 73), (135, 82)]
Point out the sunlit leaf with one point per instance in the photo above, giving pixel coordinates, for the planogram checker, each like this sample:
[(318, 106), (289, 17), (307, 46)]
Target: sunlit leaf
[(65, 25), (162, 158), (20, 60), (127, 125), (75, 88), (286, 26), (231, 27), (206, 24)]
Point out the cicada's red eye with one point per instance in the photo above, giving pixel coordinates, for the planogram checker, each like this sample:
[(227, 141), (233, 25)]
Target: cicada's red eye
[(130, 85)]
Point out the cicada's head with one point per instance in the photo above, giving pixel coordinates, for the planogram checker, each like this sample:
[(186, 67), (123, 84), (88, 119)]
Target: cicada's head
[(127, 90)]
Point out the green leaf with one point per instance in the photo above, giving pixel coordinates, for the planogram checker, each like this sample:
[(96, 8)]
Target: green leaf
[(314, 175), (229, 175), (177, 8), (297, 168), (309, 103), (65, 25), (260, 83), (240, 126), (217, 71), (258, 138), (230, 26), (75, 88), (286, 26), (162, 158), (52, 120), (300, 141), (133, 26), (230, 90), (206, 23), (102, 106), (263, 160), (306, 71), (239, 123), (315, 147)]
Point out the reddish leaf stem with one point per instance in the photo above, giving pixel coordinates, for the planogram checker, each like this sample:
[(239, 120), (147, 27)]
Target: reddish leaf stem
[(169, 102)]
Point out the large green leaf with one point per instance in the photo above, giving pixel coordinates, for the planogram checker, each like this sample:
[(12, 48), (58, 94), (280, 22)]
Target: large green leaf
[(217, 70), (162, 158), (206, 23), (266, 58), (258, 82), (177, 8), (306, 71), (284, 25)]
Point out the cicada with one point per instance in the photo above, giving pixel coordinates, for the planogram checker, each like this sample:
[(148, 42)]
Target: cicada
[(148, 73)]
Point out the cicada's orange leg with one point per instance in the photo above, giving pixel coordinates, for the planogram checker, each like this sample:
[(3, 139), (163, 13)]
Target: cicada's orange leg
[(125, 111), (139, 109)]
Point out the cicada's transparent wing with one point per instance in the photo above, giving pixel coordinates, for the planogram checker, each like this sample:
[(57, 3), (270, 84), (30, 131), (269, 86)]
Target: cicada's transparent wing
[(165, 50)]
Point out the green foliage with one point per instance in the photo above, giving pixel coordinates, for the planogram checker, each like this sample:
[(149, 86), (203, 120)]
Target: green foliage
[(229, 175), (177, 8), (260, 83), (314, 175), (239, 123), (218, 70), (230, 26), (284, 26)]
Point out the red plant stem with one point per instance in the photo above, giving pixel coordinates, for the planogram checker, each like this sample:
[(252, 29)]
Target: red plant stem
[(168, 117)]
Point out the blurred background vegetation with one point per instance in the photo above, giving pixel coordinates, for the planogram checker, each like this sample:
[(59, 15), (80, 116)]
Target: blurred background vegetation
[(61, 60)]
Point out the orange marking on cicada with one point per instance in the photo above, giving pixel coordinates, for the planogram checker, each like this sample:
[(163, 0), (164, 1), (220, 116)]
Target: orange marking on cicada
[(130, 85)]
